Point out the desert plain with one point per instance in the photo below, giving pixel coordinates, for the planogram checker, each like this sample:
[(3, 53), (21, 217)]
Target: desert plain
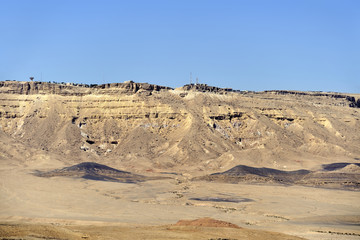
[(141, 161)]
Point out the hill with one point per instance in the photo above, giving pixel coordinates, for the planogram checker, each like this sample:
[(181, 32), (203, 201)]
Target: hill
[(336, 175), (94, 171)]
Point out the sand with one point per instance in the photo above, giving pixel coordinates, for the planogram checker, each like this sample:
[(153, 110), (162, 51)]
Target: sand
[(294, 210)]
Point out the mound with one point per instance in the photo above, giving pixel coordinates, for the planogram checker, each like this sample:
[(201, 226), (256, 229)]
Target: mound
[(92, 167), (246, 173), (339, 166), (264, 172), (352, 168), (206, 222), (336, 175), (95, 171)]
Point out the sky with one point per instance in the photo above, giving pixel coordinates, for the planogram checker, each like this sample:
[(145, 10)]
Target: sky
[(306, 45)]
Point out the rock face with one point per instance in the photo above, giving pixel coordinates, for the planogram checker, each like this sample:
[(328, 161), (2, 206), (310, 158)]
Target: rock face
[(351, 100), (138, 126), (206, 88), (27, 88)]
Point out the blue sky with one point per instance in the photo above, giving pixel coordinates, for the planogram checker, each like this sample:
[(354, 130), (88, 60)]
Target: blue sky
[(243, 44)]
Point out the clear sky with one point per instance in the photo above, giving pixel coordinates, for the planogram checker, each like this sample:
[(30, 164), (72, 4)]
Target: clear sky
[(243, 44)]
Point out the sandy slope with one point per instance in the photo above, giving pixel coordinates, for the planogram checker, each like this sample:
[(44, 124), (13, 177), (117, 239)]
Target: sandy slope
[(112, 231)]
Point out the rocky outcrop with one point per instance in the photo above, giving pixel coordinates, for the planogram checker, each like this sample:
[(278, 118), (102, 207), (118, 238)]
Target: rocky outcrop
[(133, 87), (27, 88), (70, 89), (206, 88), (352, 101)]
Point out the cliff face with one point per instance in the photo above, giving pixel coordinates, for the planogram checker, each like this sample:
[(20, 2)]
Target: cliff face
[(27, 88), (149, 127)]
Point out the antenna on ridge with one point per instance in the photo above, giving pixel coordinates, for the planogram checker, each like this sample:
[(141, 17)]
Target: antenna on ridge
[(197, 80), (190, 78)]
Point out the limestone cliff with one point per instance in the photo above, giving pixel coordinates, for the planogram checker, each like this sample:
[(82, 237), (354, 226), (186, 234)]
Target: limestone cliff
[(142, 127), (70, 89)]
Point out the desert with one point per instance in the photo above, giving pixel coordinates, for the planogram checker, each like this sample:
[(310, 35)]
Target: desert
[(141, 161)]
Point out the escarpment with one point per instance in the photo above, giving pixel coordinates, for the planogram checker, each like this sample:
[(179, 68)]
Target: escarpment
[(73, 89), (144, 126)]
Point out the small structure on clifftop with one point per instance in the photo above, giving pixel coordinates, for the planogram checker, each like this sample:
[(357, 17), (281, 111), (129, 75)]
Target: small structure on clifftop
[(31, 78)]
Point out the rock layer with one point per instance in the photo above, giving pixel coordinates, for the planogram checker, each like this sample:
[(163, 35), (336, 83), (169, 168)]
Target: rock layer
[(147, 127)]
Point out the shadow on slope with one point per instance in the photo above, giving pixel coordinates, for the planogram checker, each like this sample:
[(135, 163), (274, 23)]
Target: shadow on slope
[(246, 173), (336, 175), (338, 166), (95, 171)]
